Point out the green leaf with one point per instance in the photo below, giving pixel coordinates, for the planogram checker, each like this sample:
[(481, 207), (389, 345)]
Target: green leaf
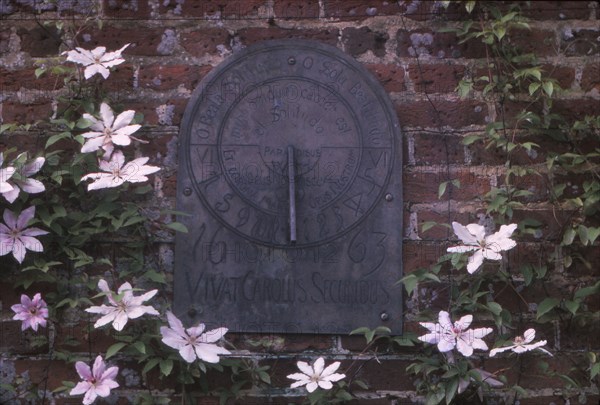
[(442, 189), (494, 308), (572, 306), (177, 226), (568, 237), (593, 233), (150, 364), (451, 389), (533, 87), (595, 370), (166, 366), (468, 140), (114, 349), (582, 231), (410, 283), (55, 138), (548, 88), (140, 346), (470, 5), (547, 305), (587, 291)]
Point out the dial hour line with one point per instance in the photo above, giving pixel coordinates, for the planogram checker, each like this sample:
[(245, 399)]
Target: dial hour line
[(292, 192)]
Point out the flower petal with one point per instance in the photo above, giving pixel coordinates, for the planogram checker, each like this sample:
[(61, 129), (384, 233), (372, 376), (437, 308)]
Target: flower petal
[(463, 234), (475, 261)]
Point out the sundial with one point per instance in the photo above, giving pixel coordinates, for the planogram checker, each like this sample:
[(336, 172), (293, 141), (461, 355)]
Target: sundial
[(290, 173)]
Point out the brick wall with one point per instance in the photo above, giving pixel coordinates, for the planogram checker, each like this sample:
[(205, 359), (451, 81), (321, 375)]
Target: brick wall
[(176, 43)]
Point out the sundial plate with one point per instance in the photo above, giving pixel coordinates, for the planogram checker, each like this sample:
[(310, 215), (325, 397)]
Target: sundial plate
[(290, 169)]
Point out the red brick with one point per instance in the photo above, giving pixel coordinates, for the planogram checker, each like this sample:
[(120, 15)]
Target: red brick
[(13, 112), (292, 9), (249, 36), (590, 78), (39, 41), (441, 45), (438, 78), (151, 116), (576, 109), (360, 40), (443, 231), (126, 9), (537, 41), (552, 222), (420, 254), (437, 149), (455, 114), (211, 9), (564, 75), (205, 41), (391, 77), (557, 10), (121, 79), (423, 187), (168, 77), (144, 42), (580, 42)]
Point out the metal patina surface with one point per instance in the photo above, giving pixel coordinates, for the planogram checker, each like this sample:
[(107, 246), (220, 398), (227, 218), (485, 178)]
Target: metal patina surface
[(290, 168)]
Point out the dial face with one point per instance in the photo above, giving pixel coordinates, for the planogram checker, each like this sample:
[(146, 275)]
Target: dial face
[(288, 113), (290, 171)]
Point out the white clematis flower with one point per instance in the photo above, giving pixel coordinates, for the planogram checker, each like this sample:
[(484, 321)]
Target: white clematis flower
[(97, 60), (5, 174), (109, 131), (193, 342), (448, 335), (116, 172), (522, 344), (485, 247), (119, 311), (316, 375), (31, 186)]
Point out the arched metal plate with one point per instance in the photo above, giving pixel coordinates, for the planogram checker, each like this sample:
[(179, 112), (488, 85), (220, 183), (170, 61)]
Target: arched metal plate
[(290, 168)]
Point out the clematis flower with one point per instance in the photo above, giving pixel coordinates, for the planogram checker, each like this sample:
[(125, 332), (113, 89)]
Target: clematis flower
[(522, 344), (448, 335), (193, 342), (485, 247), (116, 172), (15, 238), (97, 382), (32, 312), (97, 60), (119, 311), (109, 131), (5, 174), (31, 186), (316, 375)]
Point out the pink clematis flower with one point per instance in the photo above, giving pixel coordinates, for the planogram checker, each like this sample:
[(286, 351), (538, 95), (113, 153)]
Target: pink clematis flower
[(15, 238), (32, 312), (485, 247), (522, 344), (31, 186), (316, 375), (119, 311), (193, 342), (109, 131), (97, 382), (116, 172), (96, 61), (448, 335)]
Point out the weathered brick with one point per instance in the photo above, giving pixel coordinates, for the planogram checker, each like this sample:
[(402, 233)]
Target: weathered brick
[(390, 76), (580, 41), (167, 77), (168, 112), (576, 109), (358, 9), (205, 41), (360, 40), (438, 78), (590, 79), (564, 75), (444, 219), (455, 114), (423, 187), (290, 9), (13, 80), (250, 36), (436, 45)]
